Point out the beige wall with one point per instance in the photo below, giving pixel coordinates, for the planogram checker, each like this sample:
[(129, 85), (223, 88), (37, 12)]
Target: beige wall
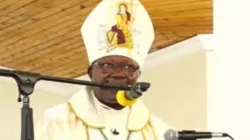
[(178, 92), (10, 119)]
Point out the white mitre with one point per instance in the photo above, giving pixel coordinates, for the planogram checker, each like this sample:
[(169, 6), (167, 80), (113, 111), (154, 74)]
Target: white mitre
[(118, 27)]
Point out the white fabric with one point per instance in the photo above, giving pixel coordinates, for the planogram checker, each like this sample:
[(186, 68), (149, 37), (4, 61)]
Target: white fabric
[(114, 120)]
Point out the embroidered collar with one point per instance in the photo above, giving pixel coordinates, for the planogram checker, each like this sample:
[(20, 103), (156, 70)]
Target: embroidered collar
[(82, 103)]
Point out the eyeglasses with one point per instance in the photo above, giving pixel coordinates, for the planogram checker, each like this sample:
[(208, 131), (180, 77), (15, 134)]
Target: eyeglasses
[(111, 67)]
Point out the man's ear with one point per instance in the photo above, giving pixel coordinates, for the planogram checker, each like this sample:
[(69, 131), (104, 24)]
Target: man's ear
[(90, 71), (139, 73)]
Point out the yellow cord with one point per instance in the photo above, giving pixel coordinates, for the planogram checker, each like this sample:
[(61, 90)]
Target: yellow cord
[(121, 99)]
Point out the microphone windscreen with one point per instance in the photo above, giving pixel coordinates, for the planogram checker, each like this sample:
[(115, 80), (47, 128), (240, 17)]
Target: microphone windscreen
[(171, 135), (145, 86), (122, 100)]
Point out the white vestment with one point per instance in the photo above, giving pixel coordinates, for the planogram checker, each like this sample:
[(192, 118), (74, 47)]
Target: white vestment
[(85, 118)]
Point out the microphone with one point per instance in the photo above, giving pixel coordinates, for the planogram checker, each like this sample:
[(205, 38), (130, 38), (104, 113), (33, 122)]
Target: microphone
[(114, 132), (192, 135), (127, 98)]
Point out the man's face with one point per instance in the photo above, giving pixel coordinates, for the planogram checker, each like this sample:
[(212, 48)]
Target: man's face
[(115, 70)]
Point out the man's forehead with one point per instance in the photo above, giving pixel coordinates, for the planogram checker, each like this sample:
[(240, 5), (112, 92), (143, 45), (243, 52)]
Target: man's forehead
[(117, 59)]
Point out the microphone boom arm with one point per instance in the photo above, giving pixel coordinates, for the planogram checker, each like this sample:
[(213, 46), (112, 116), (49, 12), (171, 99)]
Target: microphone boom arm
[(37, 77)]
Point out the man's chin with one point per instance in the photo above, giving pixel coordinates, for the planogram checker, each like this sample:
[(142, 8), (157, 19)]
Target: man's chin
[(110, 101), (111, 98), (110, 94), (114, 102)]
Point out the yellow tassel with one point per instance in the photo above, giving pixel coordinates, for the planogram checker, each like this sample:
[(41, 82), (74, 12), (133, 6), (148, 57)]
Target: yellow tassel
[(121, 99)]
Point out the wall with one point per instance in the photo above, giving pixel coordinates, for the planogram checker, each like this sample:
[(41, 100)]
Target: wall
[(178, 92), (229, 94), (10, 119)]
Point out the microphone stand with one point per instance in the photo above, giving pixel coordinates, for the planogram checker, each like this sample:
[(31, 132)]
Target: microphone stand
[(26, 82)]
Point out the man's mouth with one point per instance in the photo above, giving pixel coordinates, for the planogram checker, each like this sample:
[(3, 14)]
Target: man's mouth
[(121, 83), (115, 85)]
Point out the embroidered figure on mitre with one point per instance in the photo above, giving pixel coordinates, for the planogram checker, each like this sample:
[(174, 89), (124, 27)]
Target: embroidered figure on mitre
[(121, 35)]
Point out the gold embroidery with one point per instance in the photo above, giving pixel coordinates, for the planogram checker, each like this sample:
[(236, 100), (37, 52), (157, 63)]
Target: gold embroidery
[(131, 130), (150, 125), (143, 134), (87, 132), (136, 130), (77, 117), (120, 34), (85, 123)]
